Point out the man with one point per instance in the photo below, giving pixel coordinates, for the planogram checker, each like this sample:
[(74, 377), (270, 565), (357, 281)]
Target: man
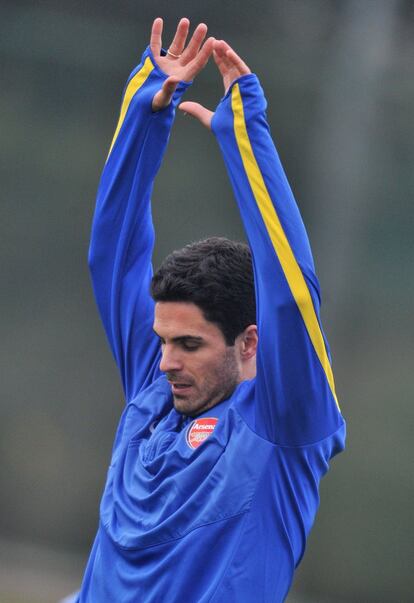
[(231, 415)]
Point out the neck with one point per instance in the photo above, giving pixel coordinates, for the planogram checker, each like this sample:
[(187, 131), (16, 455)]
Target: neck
[(248, 370)]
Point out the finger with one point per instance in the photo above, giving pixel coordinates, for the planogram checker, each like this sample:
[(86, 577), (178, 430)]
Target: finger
[(178, 43), (196, 110), (220, 47), (163, 97), (194, 44), (155, 41), (220, 57), (229, 58), (221, 61), (237, 61), (201, 60)]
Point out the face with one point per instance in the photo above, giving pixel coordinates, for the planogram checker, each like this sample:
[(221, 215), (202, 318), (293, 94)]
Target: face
[(200, 367)]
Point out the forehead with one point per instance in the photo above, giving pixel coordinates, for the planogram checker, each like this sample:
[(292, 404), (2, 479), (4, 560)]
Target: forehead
[(176, 319)]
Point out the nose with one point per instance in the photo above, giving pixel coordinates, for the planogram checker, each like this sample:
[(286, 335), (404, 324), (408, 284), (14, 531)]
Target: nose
[(170, 359)]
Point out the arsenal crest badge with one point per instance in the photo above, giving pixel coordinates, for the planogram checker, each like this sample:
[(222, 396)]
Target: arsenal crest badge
[(199, 430)]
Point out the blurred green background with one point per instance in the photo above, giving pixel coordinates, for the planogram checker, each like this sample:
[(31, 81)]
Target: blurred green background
[(339, 78)]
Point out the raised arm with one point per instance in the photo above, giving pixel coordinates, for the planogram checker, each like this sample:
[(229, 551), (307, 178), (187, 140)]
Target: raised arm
[(295, 397), (122, 232)]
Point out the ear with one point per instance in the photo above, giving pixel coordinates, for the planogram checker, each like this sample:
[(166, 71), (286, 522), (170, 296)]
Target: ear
[(248, 342)]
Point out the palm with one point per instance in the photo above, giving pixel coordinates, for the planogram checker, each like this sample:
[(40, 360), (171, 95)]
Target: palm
[(181, 62)]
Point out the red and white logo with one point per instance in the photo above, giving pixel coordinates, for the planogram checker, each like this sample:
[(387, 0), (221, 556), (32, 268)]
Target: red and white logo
[(200, 430)]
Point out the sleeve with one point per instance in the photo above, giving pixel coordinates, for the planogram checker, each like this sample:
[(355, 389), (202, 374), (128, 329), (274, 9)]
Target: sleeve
[(122, 237), (295, 399)]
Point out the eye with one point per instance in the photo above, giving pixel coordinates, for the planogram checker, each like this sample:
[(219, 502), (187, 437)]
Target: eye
[(190, 346)]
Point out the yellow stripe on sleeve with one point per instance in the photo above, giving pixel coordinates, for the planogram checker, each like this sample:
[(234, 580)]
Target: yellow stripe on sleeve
[(280, 243), (134, 85)]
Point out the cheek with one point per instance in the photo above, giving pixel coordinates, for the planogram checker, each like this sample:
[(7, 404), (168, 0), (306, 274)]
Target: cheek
[(204, 367), (200, 368), (212, 369)]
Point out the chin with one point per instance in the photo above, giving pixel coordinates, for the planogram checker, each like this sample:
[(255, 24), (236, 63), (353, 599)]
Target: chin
[(188, 407), (183, 406)]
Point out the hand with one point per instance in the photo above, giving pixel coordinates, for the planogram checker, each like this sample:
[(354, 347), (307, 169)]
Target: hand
[(181, 63), (231, 67)]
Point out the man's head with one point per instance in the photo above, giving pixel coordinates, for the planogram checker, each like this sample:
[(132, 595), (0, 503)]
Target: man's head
[(205, 316)]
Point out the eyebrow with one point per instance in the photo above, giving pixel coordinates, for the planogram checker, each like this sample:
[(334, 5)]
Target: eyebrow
[(182, 338)]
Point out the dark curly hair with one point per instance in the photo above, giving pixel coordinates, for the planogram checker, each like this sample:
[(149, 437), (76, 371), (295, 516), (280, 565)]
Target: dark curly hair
[(216, 274)]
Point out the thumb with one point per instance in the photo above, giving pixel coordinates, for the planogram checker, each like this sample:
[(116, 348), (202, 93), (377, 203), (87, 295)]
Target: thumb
[(198, 111), (163, 97)]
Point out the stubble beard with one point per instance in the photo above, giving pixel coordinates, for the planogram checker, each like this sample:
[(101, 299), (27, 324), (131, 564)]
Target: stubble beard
[(216, 387)]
